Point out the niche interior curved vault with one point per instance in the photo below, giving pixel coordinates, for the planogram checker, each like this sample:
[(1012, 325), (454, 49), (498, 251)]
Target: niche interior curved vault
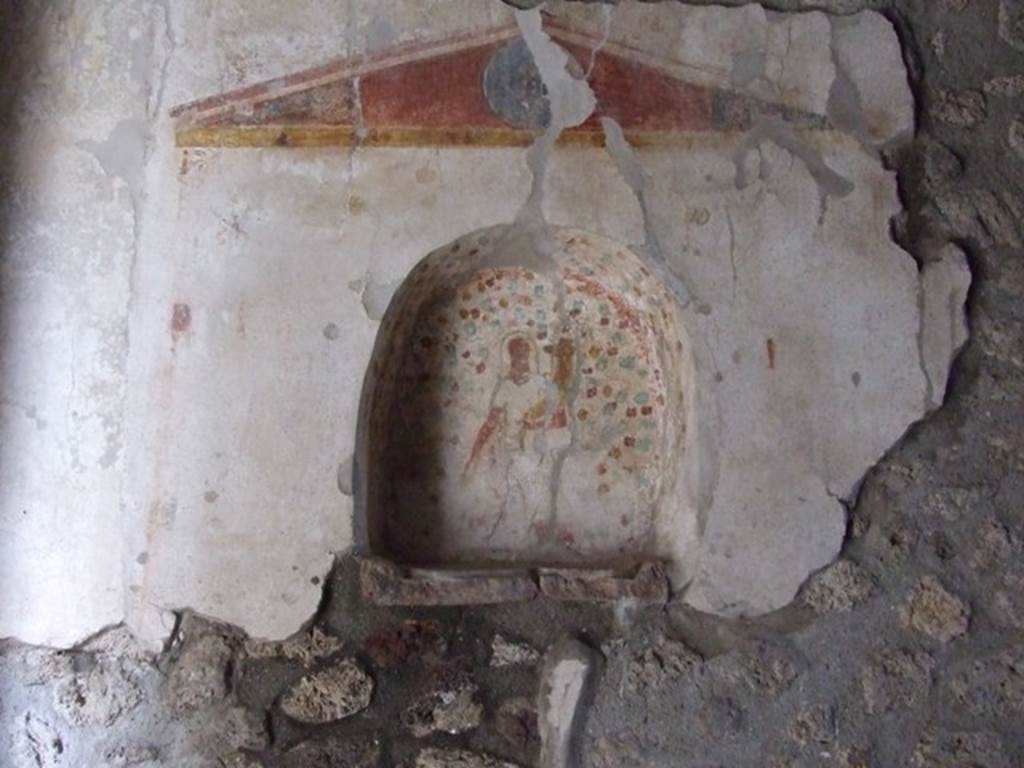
[(524, 415)]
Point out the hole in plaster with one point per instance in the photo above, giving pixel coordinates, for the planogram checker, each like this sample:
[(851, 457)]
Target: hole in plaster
[(524, 407)]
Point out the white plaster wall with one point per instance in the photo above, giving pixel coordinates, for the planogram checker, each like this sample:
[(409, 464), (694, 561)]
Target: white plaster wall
[(68, 203), (146, 470)]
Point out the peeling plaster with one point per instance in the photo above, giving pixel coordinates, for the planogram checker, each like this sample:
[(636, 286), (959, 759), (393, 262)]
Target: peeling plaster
[(225, 406)]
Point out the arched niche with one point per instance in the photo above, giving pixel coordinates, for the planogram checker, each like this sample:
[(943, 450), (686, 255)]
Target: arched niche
[(524, 411)]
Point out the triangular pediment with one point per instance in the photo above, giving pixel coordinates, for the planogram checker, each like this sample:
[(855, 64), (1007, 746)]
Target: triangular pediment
[(474, 90)]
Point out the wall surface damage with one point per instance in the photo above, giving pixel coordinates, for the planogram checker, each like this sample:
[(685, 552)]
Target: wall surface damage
[(483, 383), (735, 154)]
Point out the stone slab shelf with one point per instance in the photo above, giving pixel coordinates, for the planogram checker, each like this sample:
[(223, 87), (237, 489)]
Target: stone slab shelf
[(386, 583)]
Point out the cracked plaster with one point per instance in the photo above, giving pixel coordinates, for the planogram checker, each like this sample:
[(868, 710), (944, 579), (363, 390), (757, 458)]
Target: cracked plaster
[(805, 316)]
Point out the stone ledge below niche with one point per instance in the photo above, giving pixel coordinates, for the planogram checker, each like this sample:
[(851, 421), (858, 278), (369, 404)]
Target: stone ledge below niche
[(383, 582)]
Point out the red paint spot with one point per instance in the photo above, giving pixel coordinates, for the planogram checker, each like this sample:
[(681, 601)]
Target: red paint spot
[(181, 318), (603, 489), (566, 538), (770, 345), (519, 359), (559, 420), (481, 367)]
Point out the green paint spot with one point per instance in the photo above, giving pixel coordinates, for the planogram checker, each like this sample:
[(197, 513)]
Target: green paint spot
[(470, 329), (641, 398), (627, 362), (603, 308), (648, 424), (608, 409), (538, 290), (618, 337), (644, 444), (601, 364)]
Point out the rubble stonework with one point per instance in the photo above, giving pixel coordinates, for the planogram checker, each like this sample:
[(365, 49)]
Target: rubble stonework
[(904, 650)]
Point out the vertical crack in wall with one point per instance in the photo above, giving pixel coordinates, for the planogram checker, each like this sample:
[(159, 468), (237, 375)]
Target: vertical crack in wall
[(141, 136), (929, 385), (529, 241), (606, 31), (702, 466), (845, 109), (633, 174), (171, 45), (570, 101)]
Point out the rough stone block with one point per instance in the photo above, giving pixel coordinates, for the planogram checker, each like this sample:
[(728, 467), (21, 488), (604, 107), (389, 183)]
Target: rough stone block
[(507, 653), (936, 612), (331, 694), (840, 587), (451, 707)]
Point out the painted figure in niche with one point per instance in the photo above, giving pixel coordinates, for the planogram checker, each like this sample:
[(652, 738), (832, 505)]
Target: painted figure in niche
[(527, 424)]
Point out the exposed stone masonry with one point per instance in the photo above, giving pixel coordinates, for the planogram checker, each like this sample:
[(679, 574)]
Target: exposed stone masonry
[(908, 652)]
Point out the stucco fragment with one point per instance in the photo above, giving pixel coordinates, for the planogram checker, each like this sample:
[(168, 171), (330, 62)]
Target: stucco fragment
[(868, 53)]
